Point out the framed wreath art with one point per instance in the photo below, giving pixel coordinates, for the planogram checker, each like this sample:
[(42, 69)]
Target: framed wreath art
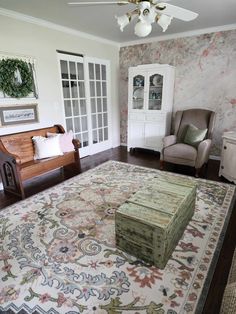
[(16, 78)]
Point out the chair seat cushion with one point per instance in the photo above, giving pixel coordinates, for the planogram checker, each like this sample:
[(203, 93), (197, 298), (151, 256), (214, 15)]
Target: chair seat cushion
[(180, 152)]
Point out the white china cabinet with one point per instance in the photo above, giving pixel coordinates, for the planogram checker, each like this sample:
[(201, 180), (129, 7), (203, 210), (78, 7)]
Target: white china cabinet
[(228, 157), (150, 101)]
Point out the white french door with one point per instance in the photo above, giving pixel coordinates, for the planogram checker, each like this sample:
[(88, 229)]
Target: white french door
[(86, 101)]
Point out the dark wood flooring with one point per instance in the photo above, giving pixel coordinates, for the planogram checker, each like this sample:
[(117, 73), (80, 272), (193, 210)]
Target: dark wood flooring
[(147, 159)]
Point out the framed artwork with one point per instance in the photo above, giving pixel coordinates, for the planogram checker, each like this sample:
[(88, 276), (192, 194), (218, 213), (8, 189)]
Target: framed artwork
[(18, 114)]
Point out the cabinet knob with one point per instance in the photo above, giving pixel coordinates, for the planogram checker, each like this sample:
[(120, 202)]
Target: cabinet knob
[(222, 167), (225, 147)]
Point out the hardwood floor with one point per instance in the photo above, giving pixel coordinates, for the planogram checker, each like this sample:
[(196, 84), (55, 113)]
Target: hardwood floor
[(147, 159)]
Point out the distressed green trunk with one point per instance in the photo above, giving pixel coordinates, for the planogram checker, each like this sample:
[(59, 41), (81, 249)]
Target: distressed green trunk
[(151, 222)]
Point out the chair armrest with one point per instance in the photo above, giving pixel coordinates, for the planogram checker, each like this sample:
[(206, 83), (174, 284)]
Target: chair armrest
[(203, 152), (228, 305), (169, 140), (76, 144)]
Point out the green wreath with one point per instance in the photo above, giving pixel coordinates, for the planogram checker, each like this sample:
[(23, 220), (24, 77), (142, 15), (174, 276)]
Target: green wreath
[(10, 83)]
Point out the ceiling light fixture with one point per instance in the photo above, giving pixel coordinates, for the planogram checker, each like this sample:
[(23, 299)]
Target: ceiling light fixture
[(142, 28), (164, 21), (148, 12)]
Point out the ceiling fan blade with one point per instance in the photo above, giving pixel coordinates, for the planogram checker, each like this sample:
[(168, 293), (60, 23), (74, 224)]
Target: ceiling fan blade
[(98, 2), (177, 12)]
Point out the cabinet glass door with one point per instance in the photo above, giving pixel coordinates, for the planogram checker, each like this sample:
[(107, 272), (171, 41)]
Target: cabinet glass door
[(155, 92), (138, 92)]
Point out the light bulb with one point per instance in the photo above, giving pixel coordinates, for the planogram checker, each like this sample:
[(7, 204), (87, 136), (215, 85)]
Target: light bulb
[(142, 28), (122, 21), (148, 16), (164, 21)]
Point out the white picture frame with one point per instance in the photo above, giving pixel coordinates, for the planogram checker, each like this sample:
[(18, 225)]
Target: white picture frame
[(19, 114)]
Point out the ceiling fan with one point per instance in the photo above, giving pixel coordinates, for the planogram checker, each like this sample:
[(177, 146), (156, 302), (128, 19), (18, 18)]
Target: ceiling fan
[(148, 12)]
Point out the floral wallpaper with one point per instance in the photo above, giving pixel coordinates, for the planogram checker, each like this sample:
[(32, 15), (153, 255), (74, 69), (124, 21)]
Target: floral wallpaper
[(205, 76)]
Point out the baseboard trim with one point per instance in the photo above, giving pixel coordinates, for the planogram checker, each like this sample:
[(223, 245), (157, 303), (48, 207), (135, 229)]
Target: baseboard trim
[(213, 157)]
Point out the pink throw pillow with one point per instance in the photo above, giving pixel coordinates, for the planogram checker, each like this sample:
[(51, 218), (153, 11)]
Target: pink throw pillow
[(65, 140)]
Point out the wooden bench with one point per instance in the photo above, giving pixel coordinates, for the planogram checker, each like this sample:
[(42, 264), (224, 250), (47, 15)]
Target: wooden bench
[(17, 162)]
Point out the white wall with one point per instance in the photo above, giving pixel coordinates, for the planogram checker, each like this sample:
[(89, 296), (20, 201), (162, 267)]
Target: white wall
[(19, 37)]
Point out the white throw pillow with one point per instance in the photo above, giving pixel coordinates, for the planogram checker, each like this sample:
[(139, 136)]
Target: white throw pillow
[(65, 140), (46, 147)]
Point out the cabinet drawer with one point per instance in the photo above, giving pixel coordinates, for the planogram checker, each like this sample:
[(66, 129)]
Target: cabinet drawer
[(154, 117), (136, 116), (228, 161)]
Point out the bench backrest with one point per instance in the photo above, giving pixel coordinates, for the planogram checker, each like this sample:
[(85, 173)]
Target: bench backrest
[(21, 144)]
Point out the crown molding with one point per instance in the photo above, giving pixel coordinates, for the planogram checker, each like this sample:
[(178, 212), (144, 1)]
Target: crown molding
[(57, 27), (179, 35), (71, 31)]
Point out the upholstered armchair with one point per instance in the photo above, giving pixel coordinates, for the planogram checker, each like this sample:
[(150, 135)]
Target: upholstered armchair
[(178, 149)]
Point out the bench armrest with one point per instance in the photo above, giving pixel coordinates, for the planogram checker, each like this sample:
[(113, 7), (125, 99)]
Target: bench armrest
[(5, 155), (76, 144)]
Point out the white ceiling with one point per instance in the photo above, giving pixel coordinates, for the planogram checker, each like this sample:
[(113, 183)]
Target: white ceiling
[(100, 20)]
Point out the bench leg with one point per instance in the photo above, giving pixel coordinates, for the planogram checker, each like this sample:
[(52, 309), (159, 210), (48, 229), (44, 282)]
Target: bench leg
[(11, 179), (62, 171), (77, 161), (162, 164)]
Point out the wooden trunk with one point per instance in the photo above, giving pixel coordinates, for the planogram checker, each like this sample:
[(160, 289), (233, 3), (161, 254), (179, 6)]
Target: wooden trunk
[(151, 222)]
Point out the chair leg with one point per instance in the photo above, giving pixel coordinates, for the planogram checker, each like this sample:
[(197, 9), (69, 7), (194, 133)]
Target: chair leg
[(206, 169), (162, 163), (197, 171)]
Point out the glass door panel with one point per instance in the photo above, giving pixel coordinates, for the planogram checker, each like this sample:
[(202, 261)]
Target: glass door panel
[(155, 92), (64, 70), (75, 108), (138, 92), (73, 74), (80, 69), (86, 101), (98, 101)]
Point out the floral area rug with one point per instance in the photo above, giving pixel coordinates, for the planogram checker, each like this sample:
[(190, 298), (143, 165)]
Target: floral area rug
[(58, 252)]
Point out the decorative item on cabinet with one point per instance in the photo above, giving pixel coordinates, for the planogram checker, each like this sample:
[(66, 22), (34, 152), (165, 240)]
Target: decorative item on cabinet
[(138, 81), (151, 89), (228, 160)]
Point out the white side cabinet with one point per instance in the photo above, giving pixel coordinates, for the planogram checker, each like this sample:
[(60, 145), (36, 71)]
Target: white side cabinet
[(228, 157), (150, 102)]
